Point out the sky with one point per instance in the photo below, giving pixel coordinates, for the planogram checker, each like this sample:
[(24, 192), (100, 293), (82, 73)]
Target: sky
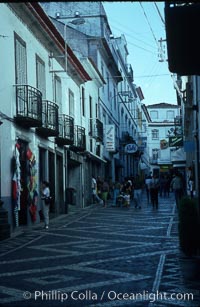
[(142, 23)]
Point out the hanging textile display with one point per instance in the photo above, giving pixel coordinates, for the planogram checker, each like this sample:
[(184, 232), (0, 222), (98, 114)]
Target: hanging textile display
[(16, 185), (32, 185)]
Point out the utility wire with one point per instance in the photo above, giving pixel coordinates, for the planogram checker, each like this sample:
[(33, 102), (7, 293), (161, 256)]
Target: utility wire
[(159, 13), (147, 76), (127, 34), (149, 24)]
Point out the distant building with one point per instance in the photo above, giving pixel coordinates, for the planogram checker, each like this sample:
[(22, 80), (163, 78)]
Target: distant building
[(164, 137)]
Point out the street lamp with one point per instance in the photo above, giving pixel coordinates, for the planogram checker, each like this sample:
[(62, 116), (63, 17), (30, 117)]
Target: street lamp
[(76, 20)]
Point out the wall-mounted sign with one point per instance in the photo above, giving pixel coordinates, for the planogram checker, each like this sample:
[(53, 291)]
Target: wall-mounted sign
[(110, 138), (163, 144), (175, 141), (131, 148)]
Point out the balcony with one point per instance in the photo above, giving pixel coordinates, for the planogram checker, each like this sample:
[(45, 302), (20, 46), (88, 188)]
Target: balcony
[(49, 119), (79, 144), (28, 106), (66, 130), (96, 129)]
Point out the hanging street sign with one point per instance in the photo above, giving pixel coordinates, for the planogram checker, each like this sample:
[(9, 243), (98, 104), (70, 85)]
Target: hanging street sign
[(131, 148), (175, 141)]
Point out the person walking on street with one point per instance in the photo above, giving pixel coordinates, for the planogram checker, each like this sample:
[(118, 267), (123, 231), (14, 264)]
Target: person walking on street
[(154, 189), (191, 186), (95, 196), (104, 192), (116, 192), (46, 202), (177, 187), (163, 181), (138, 186), (147, 186)]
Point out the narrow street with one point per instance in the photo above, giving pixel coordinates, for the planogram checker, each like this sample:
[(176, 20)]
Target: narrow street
[(100, 257)]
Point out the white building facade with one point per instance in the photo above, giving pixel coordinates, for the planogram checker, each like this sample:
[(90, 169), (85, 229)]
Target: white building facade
[(40, 101), (69, 109), (164, 128)]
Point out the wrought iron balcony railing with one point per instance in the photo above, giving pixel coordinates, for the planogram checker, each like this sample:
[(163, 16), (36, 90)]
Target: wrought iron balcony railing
[(49, 119), (28, 106), (79, 139), (96, 129), (66, 130)]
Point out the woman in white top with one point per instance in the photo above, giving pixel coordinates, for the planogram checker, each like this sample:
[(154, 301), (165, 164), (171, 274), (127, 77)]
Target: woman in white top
[(46, 204)]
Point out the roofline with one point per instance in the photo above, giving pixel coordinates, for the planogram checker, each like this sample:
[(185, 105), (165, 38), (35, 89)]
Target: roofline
[(163, 105), (45, 21)]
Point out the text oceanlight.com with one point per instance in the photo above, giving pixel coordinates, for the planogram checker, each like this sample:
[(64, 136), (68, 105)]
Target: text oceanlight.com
[(89, 295)]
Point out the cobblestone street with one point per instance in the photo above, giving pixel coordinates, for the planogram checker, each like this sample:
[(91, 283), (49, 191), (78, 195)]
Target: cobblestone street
[(110, 256)]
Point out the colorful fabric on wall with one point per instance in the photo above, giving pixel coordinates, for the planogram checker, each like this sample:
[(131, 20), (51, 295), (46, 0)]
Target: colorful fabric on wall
[(16, 184), (32, 184)]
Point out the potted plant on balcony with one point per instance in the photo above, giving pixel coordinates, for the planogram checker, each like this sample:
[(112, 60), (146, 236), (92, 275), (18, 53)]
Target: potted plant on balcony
[(188, 226)]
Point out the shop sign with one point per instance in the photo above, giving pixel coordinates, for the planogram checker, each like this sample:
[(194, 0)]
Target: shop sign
[(163, 144), (131, 148), (175, 141), (110, 138)]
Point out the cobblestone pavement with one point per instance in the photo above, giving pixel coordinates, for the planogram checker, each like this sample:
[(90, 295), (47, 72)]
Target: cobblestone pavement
[(100, 257)]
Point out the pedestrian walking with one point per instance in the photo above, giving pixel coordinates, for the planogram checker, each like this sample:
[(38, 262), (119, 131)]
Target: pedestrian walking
[(167, 186), (104, 193), (154, 189), (95, 196), (138, 186), (46, 202), (162, 185), (147, 186), (177, 187), (191, 186), (116, 192)]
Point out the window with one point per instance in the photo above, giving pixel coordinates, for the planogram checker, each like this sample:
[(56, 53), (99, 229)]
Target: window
[(154, 114), (71, 103), (90, 106), (170, 115), (20, 61), (83, 101), (115, 99), (155, 134), (108, 85), (58, 92), (155, 153), (40, 76), (96, 110), (102, 73)]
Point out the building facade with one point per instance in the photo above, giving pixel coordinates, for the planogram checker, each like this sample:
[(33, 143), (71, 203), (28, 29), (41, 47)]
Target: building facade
[(165, 138), (69, 109), (39, 101)]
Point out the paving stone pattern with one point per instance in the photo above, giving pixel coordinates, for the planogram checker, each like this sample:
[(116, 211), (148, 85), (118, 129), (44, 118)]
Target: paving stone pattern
[(99, 256)]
